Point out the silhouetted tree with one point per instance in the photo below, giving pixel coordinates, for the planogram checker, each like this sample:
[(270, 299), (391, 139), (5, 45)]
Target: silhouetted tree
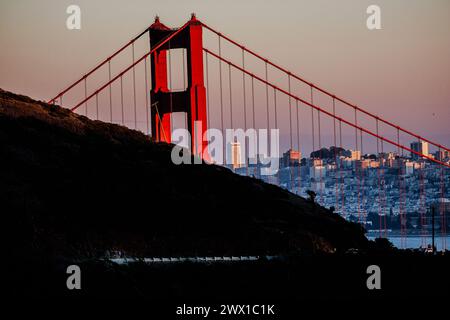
[(312, 195)]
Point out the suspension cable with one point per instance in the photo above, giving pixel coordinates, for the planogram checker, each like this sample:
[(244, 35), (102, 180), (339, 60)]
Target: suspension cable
[(184, 69), (254, 126), (361, 177), (85, 97), (185, 87), (422, 206), (245, 113), (134, 89), (267, 108), (231, 96), (321, 157), (157, 47), (231, 114), (276, 127), (171, 92), (121, 100), (313, 140), (442, 209), (221, 99), (316, 87), (299, 171), (103, 62), (400, 198), (378, 180), (341, 175), (335, 158), (207, 90), (96, 106), (329, 113), (290, 136), (147, 107), (356, 166), (383, 183)]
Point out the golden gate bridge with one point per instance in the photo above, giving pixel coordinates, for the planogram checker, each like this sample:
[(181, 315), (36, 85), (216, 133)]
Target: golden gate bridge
[(227, 85)]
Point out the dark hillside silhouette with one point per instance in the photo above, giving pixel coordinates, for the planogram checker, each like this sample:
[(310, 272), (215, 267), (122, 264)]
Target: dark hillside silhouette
[(73, 191), (70, 185)]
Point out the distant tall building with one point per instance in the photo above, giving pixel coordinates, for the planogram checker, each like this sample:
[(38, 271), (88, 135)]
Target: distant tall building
[(291, 158), (387, 155), (316, 162), (420, 147), (409, 168), (387, 159), (234, 156), (355, 155), (316, 169), (442, 155), (363, 164)]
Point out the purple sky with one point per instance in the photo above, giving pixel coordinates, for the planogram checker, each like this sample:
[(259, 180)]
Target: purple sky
[(401, 72)]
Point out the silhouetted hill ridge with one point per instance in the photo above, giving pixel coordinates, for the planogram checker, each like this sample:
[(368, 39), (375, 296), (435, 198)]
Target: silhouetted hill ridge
[(73, 186)]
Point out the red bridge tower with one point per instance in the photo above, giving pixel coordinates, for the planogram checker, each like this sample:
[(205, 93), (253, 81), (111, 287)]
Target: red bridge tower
[(193, 99)]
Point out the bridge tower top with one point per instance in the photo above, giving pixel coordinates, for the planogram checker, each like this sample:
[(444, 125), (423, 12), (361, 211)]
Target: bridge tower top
[(192, 100)]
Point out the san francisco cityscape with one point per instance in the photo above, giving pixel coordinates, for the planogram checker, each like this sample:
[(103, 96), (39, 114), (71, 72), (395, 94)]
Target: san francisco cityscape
[(358, 187)]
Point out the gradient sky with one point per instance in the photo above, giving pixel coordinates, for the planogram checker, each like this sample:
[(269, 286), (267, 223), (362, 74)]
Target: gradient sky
[(401, 72)]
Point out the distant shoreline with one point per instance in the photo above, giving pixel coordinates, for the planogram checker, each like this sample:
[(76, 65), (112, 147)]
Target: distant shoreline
[(397, 233)]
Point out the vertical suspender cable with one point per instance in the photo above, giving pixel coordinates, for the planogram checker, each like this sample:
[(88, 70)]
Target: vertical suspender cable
[(221, 100), (276, 127), (290, 136), (134, 89), (361, 178), (383, 183), (267, 107), (312, 120), (231, 116), (184, 69), (313, 140), (335, 158), (378, 180), (356, 166), (231, 96), (171, 94), (85, 97), (400, 207), (147, 104), (320, 156), (299, 150), (110, 92), (96, 105), (442, 209), (207, 90), (422, 206), (246, 162), (121, 100), (208, 114), (185, 86), (254, 126), (341, 175)]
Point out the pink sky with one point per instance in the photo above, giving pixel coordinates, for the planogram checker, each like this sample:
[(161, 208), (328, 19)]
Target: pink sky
[(401, 72)]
